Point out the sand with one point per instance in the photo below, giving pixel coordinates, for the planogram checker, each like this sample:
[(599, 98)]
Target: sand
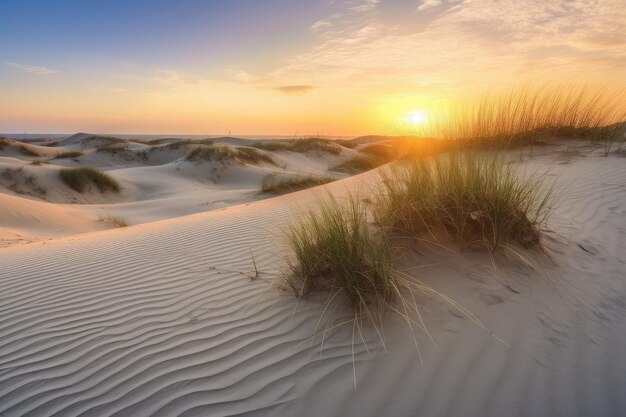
[(170, 318)]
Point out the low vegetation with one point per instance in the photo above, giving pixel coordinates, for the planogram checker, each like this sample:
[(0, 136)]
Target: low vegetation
[(69, 155), (471, 198), (3, 143), (336, 250), (252, 155), (79, 179), (115, 220), (223, 153), (282, 184), (359, 163), (27, 151), (301, 145), (211, 153)]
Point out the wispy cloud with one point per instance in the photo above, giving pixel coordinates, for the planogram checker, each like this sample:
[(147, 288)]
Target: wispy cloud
[(105, 89), (32, 69), (294, 89), (428, 4)]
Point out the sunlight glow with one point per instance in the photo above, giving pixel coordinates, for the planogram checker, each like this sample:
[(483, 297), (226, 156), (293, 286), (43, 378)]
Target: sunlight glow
[(418, 117)]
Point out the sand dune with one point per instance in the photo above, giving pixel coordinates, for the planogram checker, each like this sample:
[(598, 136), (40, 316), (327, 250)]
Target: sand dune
[(169, 318), (157, 181)]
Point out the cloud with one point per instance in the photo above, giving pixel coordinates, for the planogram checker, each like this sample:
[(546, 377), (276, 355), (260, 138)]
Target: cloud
[(294, 89), (320, 24), (32, 69), (428, 4)]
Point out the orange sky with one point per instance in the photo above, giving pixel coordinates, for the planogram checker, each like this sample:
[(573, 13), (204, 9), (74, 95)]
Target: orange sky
[(329, 67)]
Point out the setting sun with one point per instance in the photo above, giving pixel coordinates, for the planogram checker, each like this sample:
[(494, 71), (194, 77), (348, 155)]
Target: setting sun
[(418, 117)]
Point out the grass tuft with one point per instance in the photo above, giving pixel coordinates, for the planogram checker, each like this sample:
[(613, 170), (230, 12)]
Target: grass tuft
[(69, 155), (359, 163), (78, 179), (472, 198), (27, 151), (336, 250), (282, 184), (115, 220)]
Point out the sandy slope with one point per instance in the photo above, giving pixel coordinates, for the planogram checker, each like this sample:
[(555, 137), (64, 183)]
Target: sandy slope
[(168, 318)]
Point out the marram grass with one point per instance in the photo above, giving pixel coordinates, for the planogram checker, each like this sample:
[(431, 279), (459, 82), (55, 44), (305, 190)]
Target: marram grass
[(472, 198)]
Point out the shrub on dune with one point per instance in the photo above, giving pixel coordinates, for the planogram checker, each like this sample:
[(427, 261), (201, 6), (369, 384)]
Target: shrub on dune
[(27, 151), (210, 153), (79, 179), (281, 184), (69, 155), (472, 198), (335, 250), (3, 143), (359, 163), (252, 155)]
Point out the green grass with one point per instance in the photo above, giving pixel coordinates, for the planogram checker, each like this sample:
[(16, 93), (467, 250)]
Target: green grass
[(359, 163), (335, 250), (281, 184), (78, 179), (472, 198), (69, 155), (115, 220)]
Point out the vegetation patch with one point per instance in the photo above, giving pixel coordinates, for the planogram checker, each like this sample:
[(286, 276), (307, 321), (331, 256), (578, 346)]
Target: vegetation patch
[(3, 143), (78, 179), (473, 198), (211, 153), (252, 155), (359, 163), (115, 220), (335, 250), (302, 145), (40, 161), (27, 151), (282, 184), (21, 181), (69, 155)]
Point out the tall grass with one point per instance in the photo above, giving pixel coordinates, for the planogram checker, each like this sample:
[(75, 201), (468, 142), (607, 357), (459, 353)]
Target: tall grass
[(335, 250), (80, 178), (527, 115), (470, 197)]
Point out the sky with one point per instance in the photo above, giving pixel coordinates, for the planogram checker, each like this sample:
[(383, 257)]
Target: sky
[(286, 67)]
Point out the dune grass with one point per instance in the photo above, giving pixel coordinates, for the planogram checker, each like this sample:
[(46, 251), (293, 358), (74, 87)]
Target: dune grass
[(27, 151), (78, 179), (210, 153), (282, 184), (3, 143), (301, 145), (472, 198), (529, 115), (253, 155), (336, 250), (359, 163), (40, 161), (115, 220), (69, 155)]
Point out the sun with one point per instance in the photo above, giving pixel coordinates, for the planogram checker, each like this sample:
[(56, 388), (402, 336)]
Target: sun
[(418, 117)]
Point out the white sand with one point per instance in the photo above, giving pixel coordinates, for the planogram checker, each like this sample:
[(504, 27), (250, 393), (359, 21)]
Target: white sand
[(164, 319)]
